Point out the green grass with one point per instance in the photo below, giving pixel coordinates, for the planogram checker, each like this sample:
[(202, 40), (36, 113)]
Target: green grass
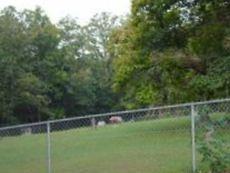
[(160, 146)]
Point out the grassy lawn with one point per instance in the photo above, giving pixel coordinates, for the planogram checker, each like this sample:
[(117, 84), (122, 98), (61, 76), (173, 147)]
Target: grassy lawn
[(157, 146)]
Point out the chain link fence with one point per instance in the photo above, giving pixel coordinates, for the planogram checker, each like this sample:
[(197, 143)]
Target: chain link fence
[(213, 137), (169, 139)]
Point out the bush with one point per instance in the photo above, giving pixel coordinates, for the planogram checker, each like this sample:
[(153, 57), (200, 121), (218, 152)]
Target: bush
[(213, 149)]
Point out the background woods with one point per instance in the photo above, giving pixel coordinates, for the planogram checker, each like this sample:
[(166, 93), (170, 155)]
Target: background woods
[(164, 52)]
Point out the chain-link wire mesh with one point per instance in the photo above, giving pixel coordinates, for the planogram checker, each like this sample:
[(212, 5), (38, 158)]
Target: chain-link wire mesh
[(146, 140), (125, 142), (213, 137), (23, 149)]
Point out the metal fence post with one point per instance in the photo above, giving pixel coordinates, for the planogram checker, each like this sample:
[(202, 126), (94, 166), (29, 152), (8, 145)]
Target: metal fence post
[(48, 148), (193, 138)]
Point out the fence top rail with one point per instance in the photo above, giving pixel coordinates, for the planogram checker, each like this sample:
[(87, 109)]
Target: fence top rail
[(117, 113)]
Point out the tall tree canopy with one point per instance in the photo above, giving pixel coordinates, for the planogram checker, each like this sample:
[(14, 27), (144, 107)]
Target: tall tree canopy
[(164, 52), (52, 71), (172, 51)]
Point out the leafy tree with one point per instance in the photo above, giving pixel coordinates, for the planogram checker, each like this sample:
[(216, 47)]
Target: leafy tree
[(167, 52)]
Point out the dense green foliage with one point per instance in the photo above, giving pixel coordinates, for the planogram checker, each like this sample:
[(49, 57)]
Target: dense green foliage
[(51, 71), (165, 52), (212, 145), (173, 51)]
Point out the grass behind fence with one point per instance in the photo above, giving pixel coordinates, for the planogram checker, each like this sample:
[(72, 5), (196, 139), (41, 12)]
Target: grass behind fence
[(156, 146), (161, 146)]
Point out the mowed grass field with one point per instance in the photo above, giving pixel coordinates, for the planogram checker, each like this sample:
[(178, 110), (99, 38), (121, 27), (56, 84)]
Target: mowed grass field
[(154, 146)]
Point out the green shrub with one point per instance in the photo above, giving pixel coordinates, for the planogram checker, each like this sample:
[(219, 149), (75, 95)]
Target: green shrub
[(214, 150)]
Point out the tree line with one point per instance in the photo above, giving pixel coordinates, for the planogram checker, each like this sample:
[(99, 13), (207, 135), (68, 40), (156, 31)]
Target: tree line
[(164, 52)]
